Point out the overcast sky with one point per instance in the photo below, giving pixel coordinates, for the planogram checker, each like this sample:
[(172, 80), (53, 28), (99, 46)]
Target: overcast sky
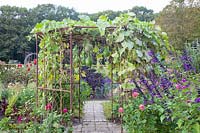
[(92, 6)]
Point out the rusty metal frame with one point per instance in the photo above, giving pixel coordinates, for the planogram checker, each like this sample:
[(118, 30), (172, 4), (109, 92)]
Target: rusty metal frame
[(72, 83)]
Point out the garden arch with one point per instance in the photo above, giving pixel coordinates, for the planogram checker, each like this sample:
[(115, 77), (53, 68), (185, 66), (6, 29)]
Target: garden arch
[(118, 48)]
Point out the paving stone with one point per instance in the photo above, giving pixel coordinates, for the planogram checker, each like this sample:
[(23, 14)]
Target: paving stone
[(94, 120)]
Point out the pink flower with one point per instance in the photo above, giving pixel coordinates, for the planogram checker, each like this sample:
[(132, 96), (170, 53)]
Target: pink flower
[(188, 101), (48, 107), (141, 107), (178, 86), (135, 94), (120, 110), (19, 119), (65, 110)]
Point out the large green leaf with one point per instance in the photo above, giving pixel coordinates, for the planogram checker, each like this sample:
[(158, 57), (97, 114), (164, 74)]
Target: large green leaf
[(128, 44), (196, 128), (180, 122), (139, 53), (120, 37), (138, 41)]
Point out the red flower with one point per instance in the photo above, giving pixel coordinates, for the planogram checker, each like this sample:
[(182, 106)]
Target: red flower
[(141, 107), (19, 119), (28, 69), (30, 64), (120, 110), (65, 110), (19, 65), (135, 94), (48, 107), (35, 61)]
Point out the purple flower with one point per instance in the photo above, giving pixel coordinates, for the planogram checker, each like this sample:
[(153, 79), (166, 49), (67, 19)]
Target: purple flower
[(134, 90), (183, 87), (197, 100), (154, 60), (150, 53), (187, 66), (143, 81), (165, 83), (185, 56), (184, 80), (107, 80), (158, 96), (186, 61), (152, 86)]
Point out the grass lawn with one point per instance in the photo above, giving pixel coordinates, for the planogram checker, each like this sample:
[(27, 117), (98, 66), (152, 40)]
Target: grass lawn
[(107, 108)]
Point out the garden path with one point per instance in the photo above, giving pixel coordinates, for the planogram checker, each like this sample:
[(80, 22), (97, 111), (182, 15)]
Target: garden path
[(94, 120)]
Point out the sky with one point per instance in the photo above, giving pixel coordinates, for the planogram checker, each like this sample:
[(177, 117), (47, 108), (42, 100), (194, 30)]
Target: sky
[(92, 6)]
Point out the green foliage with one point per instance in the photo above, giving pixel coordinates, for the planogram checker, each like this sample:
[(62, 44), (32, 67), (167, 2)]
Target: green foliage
[(175, 111), (4, 124), (194, 53), (11, 102), (142, 13), (107, 109), (16, 24), (128, 43), (14, 28), (21, 102), (181, 21), (11, 74)]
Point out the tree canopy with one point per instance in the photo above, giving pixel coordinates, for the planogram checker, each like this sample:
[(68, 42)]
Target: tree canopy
[(16, 24), (181, 21)]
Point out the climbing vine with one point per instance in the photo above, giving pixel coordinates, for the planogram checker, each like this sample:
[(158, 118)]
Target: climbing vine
[(123, 47)]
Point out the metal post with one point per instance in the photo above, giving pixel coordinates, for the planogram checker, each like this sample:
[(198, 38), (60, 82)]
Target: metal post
[(112, 90), (71, 73), (60, 84), (36, 47), (79, 85), (122, 113), (121, 96)]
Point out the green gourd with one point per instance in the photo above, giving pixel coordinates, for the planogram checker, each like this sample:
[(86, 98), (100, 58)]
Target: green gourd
[(88, 61)]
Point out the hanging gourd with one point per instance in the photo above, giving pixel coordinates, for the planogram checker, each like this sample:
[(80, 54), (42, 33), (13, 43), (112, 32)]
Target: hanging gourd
[(89, 60)]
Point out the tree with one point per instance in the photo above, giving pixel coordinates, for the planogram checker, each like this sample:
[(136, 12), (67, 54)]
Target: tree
[(14, 27), (111, 14), (52, 12), (181, 21), (142, 13), (16, 23)]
